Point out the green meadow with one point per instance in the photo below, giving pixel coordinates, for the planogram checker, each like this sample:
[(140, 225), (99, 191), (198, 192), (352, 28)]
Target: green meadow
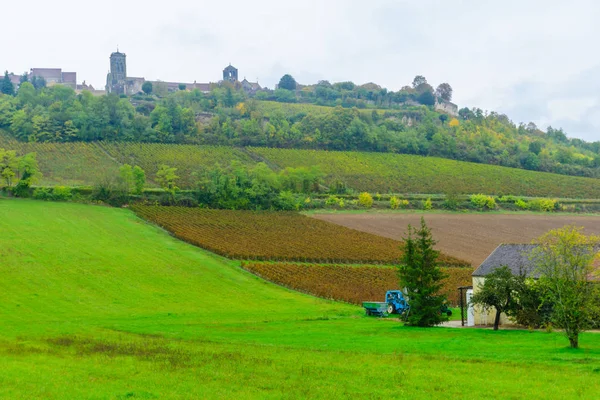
[(96, 303)]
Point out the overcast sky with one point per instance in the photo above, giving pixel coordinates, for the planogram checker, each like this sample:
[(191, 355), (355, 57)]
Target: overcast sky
[(533, 60)]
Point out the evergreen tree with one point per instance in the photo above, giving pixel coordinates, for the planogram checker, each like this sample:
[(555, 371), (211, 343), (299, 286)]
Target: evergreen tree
[(287, 82), (422, 277), (6, 85)]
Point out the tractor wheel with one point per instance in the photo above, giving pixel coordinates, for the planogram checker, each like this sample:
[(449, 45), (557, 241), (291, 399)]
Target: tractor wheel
[(390, 309)]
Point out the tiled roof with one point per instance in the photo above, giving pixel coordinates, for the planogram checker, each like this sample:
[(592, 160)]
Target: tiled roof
[(513, 256), (517, 258)]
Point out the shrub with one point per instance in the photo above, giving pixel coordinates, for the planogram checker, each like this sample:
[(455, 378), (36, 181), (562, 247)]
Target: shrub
[(545, 205), (42, 194), (508, 199), (427, 204), (394, 203), (365, 200), (333, 201), (522, 204), (482, 201), (61, 193)]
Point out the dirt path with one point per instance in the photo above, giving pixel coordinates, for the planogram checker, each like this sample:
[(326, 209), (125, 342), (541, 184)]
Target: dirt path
[(471, 237)]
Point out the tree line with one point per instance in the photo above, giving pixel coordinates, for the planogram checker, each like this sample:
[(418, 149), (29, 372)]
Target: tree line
[(228, 116)]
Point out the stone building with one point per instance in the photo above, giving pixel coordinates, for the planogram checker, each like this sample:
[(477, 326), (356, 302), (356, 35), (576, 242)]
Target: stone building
[(118, 82), (52, 76), (230, 73), (55, 76), (250, 87)]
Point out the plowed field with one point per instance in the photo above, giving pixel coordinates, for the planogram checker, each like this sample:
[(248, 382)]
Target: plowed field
[(470, 237)]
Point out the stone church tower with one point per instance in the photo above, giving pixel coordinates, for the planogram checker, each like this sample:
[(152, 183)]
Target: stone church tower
[(230, 74), (117, 77)]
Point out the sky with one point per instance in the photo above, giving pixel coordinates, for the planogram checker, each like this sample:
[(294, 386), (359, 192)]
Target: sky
[(533, 60)]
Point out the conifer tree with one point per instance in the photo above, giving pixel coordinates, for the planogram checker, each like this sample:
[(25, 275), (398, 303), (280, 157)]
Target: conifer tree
[(6, 85), (421, 277)]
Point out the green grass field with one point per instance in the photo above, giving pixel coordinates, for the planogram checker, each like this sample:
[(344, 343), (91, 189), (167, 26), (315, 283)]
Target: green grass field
[(96, 303)]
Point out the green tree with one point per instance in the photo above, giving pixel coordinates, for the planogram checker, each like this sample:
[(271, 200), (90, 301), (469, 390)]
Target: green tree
[(182, 86), (421, 277), (499, 291), (426, 98), (6, 86), (147, 87), (444, 91), (564, 259), (139, 179), (287, 82), (29, 172), (418, 81), (126, 176), (9, 164), (167, 179), (38, 82)]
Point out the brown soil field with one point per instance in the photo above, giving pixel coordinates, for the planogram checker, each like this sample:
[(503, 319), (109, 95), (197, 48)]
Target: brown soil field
[(470, 237)]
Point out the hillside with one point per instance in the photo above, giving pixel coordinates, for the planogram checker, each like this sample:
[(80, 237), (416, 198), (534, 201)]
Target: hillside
[(89, 163), (98, 304), (374, 120)]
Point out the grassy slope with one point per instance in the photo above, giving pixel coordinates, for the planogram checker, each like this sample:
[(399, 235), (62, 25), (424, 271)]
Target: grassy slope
[(87, 163), (98, 304), (402, 173)]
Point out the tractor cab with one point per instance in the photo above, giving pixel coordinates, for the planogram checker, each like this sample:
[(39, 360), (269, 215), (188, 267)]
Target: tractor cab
[(397, 301)]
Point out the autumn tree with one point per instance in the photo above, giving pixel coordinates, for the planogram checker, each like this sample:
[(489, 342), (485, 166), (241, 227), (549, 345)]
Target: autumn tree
[(444, 91), (564, 259), (421, 276)]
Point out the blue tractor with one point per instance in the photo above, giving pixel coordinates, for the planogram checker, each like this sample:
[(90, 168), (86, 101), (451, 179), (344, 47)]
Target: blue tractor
[(395, 303)]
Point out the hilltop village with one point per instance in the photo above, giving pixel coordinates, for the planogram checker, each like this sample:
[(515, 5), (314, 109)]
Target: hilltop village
[(118, 82)]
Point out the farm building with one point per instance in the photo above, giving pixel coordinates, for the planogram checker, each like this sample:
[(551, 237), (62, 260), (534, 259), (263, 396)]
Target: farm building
[(514, 256)]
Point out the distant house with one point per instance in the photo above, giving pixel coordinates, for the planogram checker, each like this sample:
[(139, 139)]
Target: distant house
[(250, 87), (513, 256), (55, 76), (517, 257)]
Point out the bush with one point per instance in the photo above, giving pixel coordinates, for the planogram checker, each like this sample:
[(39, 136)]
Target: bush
[(427, 204), (333, 201), (61, 193), (394, 203), (521, 204), (482, 201), (365, 200), (545, 205), (42, 194)]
